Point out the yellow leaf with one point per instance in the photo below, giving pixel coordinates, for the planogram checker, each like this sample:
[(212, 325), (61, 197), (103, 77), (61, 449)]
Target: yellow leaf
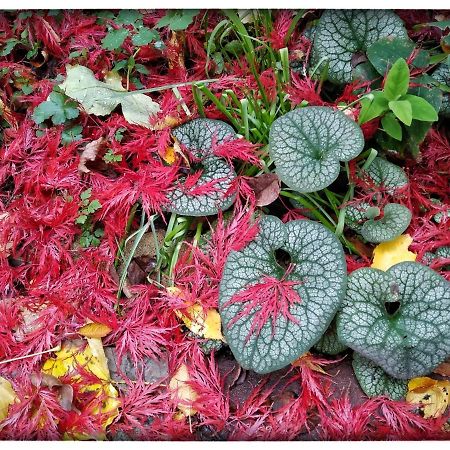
[(207, 325), (94, 330), (431, 395), (387, 254), (93, 359), (7, 397), (182, 393), (169, 156)]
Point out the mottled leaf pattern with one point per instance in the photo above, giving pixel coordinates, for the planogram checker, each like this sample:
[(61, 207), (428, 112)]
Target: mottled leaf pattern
[(199, 136), (319, 266), (442, 75), (394, 222), (374, 381), (308, 143), (329, 343), (409, 342), (341, 34), (387, 174)]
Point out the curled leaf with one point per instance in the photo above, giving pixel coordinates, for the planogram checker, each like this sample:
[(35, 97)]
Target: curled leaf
[(90, 154), (266, 188)]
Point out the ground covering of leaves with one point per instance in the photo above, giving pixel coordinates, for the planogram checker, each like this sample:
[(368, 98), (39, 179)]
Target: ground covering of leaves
[(104, 339)]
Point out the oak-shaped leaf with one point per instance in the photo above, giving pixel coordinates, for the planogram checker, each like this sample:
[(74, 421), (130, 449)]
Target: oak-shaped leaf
[(307, 144), (342, 34), (101, 98), (398, 319), (373, 227), (280, 293), (374, 381), (210, 192)]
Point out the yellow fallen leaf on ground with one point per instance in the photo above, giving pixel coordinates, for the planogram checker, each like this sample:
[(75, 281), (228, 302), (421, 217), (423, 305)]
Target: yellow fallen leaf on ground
[(431, 395), (93, 359), (7, 397), (206, 324), (181, 392), (387, 254), (94, 330)]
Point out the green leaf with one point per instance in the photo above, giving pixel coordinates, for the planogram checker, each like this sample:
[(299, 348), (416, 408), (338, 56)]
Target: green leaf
[(329, 343), (81, 219), (94, 205), (442, 75), (128, 16), (144, 36), (395, 221), (57, 108), (383, 53), (102, 98), (9, 46), (374, 381), (398, 319), (86, 194), (307, 144), (71, 134), (397, 80), (386, 174), (421, 109), (371, 107), (391, 126), (114, 39), (198, 136), (342, 34), (178, 20), (319, 266), (402, 110)]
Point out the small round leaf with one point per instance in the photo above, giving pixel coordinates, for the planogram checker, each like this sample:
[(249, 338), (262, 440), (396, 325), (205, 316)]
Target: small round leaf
[(399, 319), (318, 266), (308, 143), (374, 381), (199, 136), (342, 34), (394, 222)]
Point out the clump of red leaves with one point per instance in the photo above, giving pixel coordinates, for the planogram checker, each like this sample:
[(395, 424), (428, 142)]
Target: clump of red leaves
[(266, 301)]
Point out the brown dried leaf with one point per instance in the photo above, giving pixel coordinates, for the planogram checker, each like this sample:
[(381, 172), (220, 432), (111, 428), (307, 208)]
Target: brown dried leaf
[(266, 188), (443, 369), (90, 153), (94, 330)]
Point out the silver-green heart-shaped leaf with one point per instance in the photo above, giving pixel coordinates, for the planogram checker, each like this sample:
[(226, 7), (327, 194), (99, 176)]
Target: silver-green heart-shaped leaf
[(343, 34), (442, 76), (329, 343), (399, 319), (199, 136), (374, 381), (395, 221), (307, 144), (387, 174), (317, 275)]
